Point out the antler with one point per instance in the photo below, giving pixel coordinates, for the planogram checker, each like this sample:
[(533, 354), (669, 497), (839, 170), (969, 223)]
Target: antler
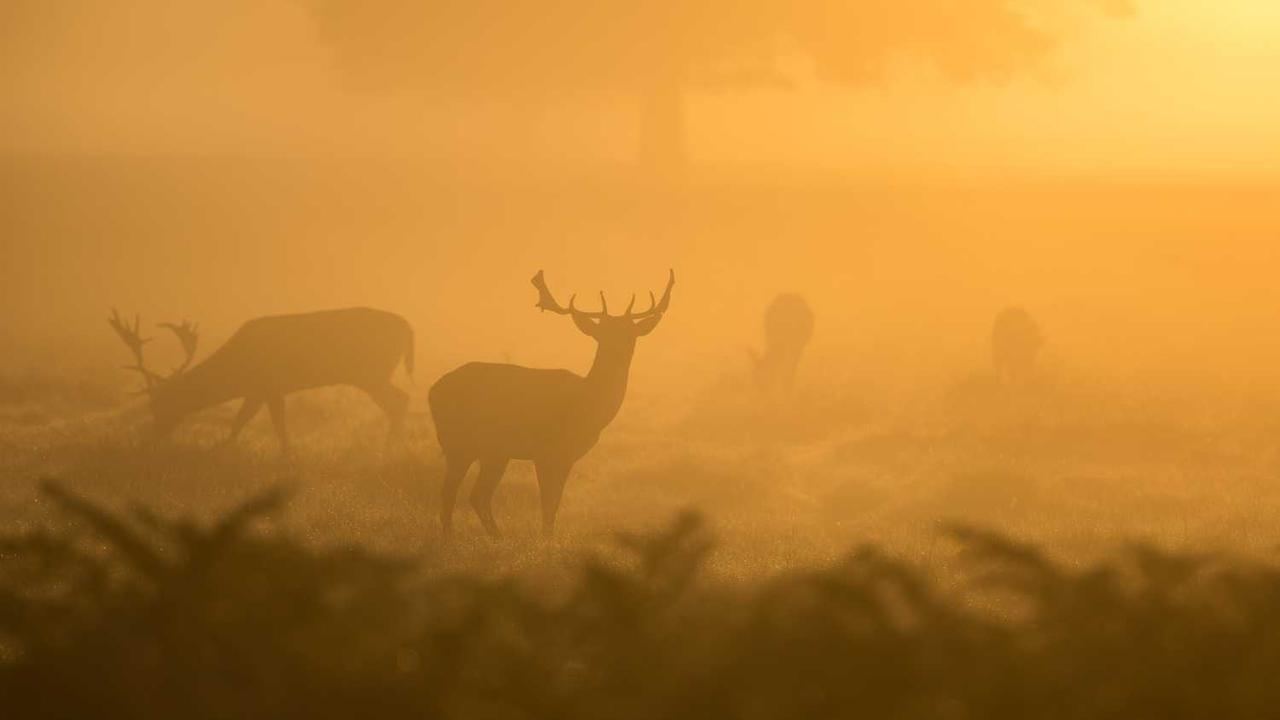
[(656, 307), (547, 302), (189, 335), (132, 337)]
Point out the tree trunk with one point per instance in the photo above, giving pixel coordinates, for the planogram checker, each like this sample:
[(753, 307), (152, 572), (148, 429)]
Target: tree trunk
[(662, 128)]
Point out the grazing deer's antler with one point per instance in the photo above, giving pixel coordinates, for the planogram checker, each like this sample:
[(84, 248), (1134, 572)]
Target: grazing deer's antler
[(189, 335), (131, 334), (132, 337)]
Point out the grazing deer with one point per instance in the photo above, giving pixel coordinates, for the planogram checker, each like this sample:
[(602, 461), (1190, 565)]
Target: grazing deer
[(1016, 341), (494, 413), (788, 327), (270, 357)]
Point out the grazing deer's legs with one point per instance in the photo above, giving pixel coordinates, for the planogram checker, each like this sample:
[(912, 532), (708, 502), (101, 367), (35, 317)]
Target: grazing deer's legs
[(551, 479), (248, 409), (276, 407), (491, 472), (455, 469)]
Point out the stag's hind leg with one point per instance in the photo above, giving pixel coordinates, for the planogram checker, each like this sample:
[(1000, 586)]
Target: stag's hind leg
[(491, 472), (455, 469)]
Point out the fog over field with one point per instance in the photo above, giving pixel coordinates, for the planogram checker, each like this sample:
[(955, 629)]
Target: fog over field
[(964, 400)]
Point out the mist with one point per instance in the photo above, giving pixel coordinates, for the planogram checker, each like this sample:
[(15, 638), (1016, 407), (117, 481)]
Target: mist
[(957, 387)]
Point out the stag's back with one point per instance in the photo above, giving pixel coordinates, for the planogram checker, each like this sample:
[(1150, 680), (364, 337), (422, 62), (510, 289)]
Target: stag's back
[(282, 353), (497, 410)]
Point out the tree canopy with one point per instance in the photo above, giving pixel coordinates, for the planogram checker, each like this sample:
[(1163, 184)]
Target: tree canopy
[(576, 43), (657, 47)]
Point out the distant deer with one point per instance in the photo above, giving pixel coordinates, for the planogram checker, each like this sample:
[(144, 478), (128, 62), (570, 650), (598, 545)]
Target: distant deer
[(270, 357), (788, 327), (1015, 343), (494, 413)]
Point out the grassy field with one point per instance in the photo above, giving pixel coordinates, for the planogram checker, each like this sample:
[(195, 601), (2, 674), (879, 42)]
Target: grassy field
[(904, 536), (1055, 551), (1078, 469)]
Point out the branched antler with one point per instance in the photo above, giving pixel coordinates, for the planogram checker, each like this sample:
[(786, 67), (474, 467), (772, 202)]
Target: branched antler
[(131, 334), (189, 335), (656, 307), (546, 301), (132, 337)]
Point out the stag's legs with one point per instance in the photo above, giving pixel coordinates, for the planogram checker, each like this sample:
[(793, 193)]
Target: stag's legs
[(455, 469), (491, 472), (248, 409), (275, 406), (551, 479)]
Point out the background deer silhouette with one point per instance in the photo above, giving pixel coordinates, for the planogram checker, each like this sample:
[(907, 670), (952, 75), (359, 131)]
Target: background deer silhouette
[(270, 357), (493, 413), (1015, 344), (788, 327)]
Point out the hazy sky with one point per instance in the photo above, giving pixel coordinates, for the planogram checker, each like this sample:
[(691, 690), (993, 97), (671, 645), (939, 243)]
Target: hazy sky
[(1183, 87)]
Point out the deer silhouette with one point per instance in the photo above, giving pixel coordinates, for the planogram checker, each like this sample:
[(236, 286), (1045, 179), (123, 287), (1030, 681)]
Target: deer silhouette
[(493, 413), (1016, 341), (270, 357), (788, 327)]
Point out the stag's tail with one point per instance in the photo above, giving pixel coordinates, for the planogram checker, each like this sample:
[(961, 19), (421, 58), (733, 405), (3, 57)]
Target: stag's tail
[(408, 350)]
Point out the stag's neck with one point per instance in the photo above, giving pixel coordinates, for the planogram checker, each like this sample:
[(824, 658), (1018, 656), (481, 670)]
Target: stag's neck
[(606, 385)]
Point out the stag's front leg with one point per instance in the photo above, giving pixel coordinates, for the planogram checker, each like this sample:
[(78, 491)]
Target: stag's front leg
[(248, 409), (551, 479)]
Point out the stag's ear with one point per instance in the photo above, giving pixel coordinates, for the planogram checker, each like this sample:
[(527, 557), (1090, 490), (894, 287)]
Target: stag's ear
[(646, 326), (586, 325)]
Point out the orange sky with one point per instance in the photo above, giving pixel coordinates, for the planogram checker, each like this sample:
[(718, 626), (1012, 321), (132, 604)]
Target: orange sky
[(1186, 88)]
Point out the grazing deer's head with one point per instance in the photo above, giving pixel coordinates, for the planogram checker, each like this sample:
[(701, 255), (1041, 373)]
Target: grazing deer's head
[(610, 331), (1016, 341), (155, 386), (788, 327)]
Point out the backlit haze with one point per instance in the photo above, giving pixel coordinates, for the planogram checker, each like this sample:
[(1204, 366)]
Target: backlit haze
[(226, 160)]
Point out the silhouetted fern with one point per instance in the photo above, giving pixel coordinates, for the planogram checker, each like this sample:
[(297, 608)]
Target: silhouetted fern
[(219, 621)]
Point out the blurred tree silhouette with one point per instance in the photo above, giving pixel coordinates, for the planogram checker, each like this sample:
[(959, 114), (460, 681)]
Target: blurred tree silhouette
[(656, 50)]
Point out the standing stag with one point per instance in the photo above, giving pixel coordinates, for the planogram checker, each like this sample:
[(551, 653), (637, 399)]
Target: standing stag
[(493, 413), (788, 327), (270, 357)]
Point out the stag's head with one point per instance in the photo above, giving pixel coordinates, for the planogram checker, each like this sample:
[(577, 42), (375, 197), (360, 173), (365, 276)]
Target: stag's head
[(609, 330), (156, 386)]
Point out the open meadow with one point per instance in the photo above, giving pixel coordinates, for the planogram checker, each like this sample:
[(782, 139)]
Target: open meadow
[(968, 552), (568, 360), (907, 531)]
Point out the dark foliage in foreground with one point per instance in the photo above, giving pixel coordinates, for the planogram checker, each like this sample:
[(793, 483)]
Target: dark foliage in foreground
[(142, 617)]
